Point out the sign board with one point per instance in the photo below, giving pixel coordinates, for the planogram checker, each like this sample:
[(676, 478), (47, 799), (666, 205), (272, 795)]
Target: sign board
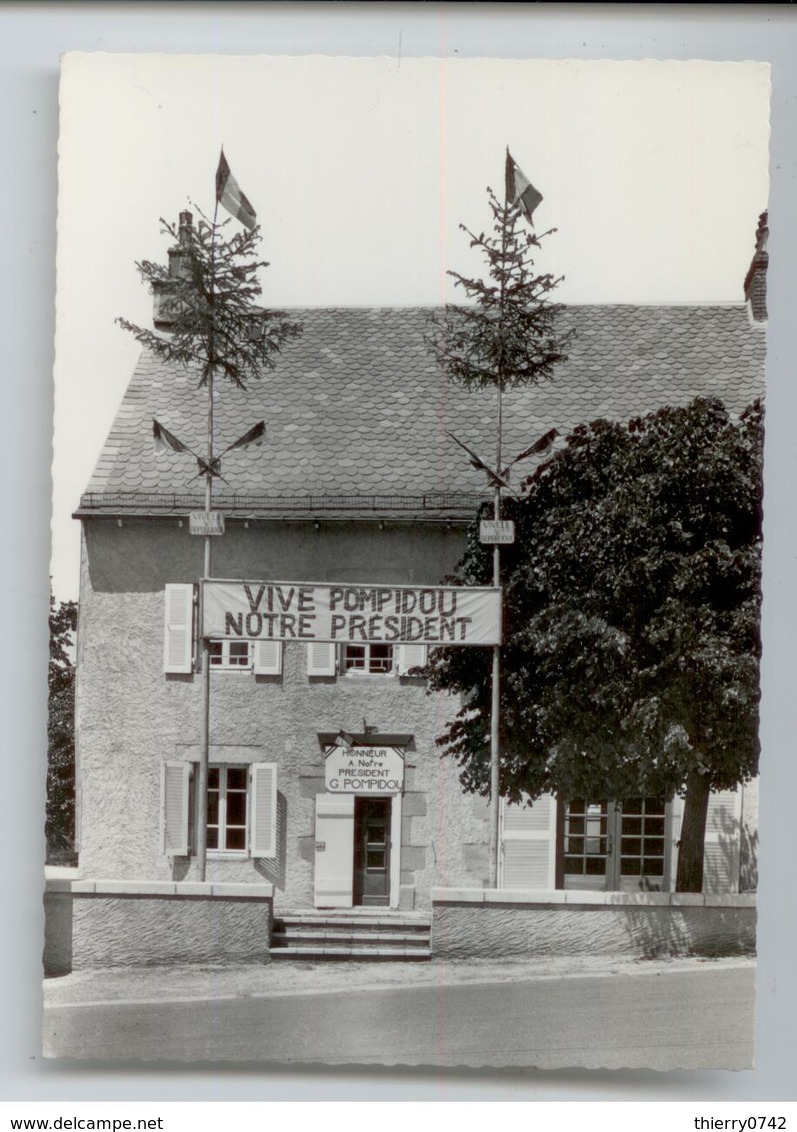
[(285, 611), (364, 770), (206, 523), (494, 531)]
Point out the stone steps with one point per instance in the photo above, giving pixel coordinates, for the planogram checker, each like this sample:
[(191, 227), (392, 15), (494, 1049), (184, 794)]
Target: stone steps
[(360, 954), (351, 935)]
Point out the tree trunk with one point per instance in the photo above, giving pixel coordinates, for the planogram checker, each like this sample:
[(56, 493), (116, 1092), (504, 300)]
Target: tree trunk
[(693, 834)]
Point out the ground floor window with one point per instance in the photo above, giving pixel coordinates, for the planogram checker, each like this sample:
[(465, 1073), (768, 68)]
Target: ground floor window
[(227, 808), (586, 838), (615, 844)]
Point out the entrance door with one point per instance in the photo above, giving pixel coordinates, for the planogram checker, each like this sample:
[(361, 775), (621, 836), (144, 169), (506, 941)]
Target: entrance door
[(372, 851)]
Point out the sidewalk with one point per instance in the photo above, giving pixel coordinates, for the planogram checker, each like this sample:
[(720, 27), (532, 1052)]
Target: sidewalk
[(286, 977)]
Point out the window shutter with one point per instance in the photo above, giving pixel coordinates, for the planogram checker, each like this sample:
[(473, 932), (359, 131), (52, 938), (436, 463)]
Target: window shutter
[(174, 808), (268, 658), (321, 658), (409, 656), (722, 843), (178, 643), (528, 844), (333, 883), (677, 810), (263, 836)]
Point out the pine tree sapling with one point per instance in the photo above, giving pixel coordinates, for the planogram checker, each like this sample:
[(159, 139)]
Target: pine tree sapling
[(216, 328), (632, 602), (215, 323), (505, 335)]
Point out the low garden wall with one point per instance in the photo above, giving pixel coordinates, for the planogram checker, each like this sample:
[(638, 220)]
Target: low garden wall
[(490, 923), (147, 923), (57, 957)]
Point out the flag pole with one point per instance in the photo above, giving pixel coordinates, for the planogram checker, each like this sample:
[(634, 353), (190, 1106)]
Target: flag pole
[(495, 684), (201, 817)]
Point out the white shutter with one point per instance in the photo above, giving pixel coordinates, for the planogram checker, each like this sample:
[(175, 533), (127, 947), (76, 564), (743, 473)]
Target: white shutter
[(528, 844), (268, 658), (321, 658), (263, 836), (334, 851), (675, 829), (409, 656), (174, 808), (722, 843), (178, 638)]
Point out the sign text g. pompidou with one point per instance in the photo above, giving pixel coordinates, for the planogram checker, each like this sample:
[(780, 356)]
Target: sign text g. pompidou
[(301, 611)]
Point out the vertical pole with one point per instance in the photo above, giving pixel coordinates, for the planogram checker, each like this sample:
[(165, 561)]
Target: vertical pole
[(201, 818), (495, 686), (495, 700), (204, 735)]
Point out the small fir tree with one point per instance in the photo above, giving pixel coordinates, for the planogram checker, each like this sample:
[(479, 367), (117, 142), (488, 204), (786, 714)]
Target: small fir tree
[(505, 336), (210, 288)]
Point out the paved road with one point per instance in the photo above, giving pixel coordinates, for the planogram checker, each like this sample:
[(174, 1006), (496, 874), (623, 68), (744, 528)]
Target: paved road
[(694, 1019)]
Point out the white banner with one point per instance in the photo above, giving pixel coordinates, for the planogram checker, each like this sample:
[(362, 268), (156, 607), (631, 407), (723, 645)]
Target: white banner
[(352, 614)]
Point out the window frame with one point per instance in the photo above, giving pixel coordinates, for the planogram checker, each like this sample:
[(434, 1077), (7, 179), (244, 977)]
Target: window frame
[(225, 644), (616, 839), (221, 824), (366, 670)]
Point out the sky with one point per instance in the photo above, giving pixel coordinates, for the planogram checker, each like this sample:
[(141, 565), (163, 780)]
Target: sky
[(361, 170)]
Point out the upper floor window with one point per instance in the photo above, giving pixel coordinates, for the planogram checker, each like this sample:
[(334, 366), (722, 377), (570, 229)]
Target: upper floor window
[(230, 654), (377, 659)]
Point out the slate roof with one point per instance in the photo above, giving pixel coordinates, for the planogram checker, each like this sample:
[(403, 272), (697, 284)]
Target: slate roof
[(356, 410)]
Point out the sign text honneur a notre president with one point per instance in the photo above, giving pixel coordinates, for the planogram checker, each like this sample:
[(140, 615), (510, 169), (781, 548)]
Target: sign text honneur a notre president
[(284, 611)]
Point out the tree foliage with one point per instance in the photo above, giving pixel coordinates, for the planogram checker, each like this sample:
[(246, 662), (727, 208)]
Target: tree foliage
[(60, 817), (217, 324), (505, 335), (631, 635)]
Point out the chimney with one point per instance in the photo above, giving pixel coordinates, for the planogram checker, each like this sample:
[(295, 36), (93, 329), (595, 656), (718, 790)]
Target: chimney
[(179, 269), (755, 282)]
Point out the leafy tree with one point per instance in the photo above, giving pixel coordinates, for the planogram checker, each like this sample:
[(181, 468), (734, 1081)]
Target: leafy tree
[(211, 286), (632, 601), (60, 819)]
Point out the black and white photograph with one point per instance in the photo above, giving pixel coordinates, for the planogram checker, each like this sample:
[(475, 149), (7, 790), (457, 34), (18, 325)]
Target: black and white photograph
[(405, 620)]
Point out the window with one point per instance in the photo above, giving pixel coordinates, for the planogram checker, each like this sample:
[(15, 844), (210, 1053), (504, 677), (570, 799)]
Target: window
[(616, 845), (586, 838), (374, 659), (227, 808), (642, 838), (325, 658), (230, 654), (242, 809)]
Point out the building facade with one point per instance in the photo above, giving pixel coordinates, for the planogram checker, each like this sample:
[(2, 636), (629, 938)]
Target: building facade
[(356, 484)]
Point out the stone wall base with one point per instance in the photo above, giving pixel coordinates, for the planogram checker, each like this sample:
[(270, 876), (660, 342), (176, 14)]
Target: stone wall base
[(148, 924), (486, 923)]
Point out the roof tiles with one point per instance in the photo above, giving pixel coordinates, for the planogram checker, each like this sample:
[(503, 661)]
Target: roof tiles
[(356, 406)]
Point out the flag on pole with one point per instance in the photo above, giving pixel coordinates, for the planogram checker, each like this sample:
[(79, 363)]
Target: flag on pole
[(230, 196), (541, 446), (255, 435), (519, 189), (166, 439)]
